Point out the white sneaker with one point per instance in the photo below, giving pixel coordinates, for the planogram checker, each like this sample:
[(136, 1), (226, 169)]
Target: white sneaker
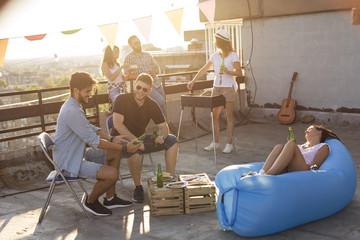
[(228, 148), (211, 146)]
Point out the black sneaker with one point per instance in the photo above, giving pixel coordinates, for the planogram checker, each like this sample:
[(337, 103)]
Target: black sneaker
[(96, 208), (138, 196), (116, 202)]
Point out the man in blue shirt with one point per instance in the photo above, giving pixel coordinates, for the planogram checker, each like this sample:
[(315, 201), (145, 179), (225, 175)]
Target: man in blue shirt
[(101, 160)]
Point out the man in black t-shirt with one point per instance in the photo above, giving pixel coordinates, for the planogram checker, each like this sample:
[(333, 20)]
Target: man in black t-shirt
[(132, 113)]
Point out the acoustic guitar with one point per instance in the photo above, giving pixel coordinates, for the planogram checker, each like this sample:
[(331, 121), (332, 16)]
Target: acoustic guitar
[(287, 114)]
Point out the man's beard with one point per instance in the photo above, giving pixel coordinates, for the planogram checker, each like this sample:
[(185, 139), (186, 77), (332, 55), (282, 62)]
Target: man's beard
[(138, 49), (82, 100)]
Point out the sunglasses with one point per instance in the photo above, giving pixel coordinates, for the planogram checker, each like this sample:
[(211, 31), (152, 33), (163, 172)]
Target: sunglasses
[(144, 89)]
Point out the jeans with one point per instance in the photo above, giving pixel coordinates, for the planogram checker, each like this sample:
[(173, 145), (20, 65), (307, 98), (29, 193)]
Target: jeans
[(113, 93), (158, 95)]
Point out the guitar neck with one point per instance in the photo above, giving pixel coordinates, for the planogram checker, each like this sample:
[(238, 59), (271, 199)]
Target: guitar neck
[(290, 91), (291, 87)]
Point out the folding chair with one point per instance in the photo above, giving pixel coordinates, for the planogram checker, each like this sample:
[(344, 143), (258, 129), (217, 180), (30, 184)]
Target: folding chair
[(109, 126), (57, 176)]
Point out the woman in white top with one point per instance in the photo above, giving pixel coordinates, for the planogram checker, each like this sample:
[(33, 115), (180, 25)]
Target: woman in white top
[(291, 157), (224, 83), (111, 70)]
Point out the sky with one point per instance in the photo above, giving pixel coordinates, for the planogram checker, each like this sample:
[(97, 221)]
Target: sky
[(30, 17)]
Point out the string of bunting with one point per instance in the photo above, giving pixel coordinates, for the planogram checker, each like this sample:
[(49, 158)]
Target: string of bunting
[(143, 24)]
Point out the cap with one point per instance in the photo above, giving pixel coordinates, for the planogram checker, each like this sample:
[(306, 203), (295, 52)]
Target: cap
[(224, 35)]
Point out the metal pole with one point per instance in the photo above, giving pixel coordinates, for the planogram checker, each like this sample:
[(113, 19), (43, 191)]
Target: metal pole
[(181, 115), (196, 143), (213, 133), (163, 85), (96, 108), (42, 118)]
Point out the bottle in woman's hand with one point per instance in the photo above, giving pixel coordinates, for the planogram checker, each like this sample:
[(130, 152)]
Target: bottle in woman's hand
[(291, 135), (222, 67)]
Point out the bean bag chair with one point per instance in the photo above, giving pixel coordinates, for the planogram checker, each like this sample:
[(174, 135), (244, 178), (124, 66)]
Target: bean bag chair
[(263, 204)]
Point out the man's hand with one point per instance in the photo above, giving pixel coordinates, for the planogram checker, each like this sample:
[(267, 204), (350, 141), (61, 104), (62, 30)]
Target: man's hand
[(142, 146), (159, 139), (190, 85), (133, 146), (120, 139), (125, 66)]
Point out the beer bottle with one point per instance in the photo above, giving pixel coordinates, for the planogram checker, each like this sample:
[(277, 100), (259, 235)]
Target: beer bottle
[(291, 135), (222, 67), (159, 177), (154, 136)]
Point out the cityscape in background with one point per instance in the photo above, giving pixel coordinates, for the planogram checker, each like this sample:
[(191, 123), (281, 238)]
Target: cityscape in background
[(20, 75)]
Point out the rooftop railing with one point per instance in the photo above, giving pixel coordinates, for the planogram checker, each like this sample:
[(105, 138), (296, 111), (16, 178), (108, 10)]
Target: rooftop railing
[(44, 108)]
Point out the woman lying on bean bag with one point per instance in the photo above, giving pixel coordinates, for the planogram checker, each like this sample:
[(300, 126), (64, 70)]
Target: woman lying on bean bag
[(292, 157), (263, 198)]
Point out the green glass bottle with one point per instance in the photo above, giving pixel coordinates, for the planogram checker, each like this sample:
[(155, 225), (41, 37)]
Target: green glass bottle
[(291, 135), (159, 177), (222, 67), (154, 136)]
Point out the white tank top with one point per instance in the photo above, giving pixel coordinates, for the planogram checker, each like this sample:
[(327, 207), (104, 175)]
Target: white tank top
[(118, 79), (310, 152)]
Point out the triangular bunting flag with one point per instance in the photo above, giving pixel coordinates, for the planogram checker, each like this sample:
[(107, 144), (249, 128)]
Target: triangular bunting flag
[(144, 26), (208, 9), (70, 31), (109, 31), (35, 37), (3, 46), (175, 18)]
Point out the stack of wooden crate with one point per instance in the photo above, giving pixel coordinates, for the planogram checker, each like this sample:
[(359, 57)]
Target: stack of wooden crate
[(165, 201), (196, 197), (199, 196)]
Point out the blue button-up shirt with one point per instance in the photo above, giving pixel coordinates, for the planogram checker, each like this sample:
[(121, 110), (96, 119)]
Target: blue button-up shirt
[(73, 132)]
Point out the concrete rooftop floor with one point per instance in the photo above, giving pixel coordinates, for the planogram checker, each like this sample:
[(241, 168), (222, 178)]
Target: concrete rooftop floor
[(65, 220)]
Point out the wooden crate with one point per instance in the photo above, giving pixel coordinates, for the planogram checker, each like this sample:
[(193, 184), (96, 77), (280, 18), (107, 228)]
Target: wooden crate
[(201, 196), (165, 201)]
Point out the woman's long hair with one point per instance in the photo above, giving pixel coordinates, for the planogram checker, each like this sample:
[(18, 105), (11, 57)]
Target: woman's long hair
[(326, 133), (109, 57), (225, 46)]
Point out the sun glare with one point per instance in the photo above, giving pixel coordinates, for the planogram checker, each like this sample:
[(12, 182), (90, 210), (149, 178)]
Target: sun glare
[(145, 224), (129, 224), (90, 41)]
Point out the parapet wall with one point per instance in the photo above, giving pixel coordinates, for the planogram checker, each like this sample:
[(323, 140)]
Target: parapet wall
[(326, 118)]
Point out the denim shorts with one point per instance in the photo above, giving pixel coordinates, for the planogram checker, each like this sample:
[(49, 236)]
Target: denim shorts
[(94, 159), (170, 140)]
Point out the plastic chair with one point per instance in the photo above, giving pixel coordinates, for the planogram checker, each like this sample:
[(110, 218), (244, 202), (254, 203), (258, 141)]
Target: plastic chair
[(56, 176), (109, 126)]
